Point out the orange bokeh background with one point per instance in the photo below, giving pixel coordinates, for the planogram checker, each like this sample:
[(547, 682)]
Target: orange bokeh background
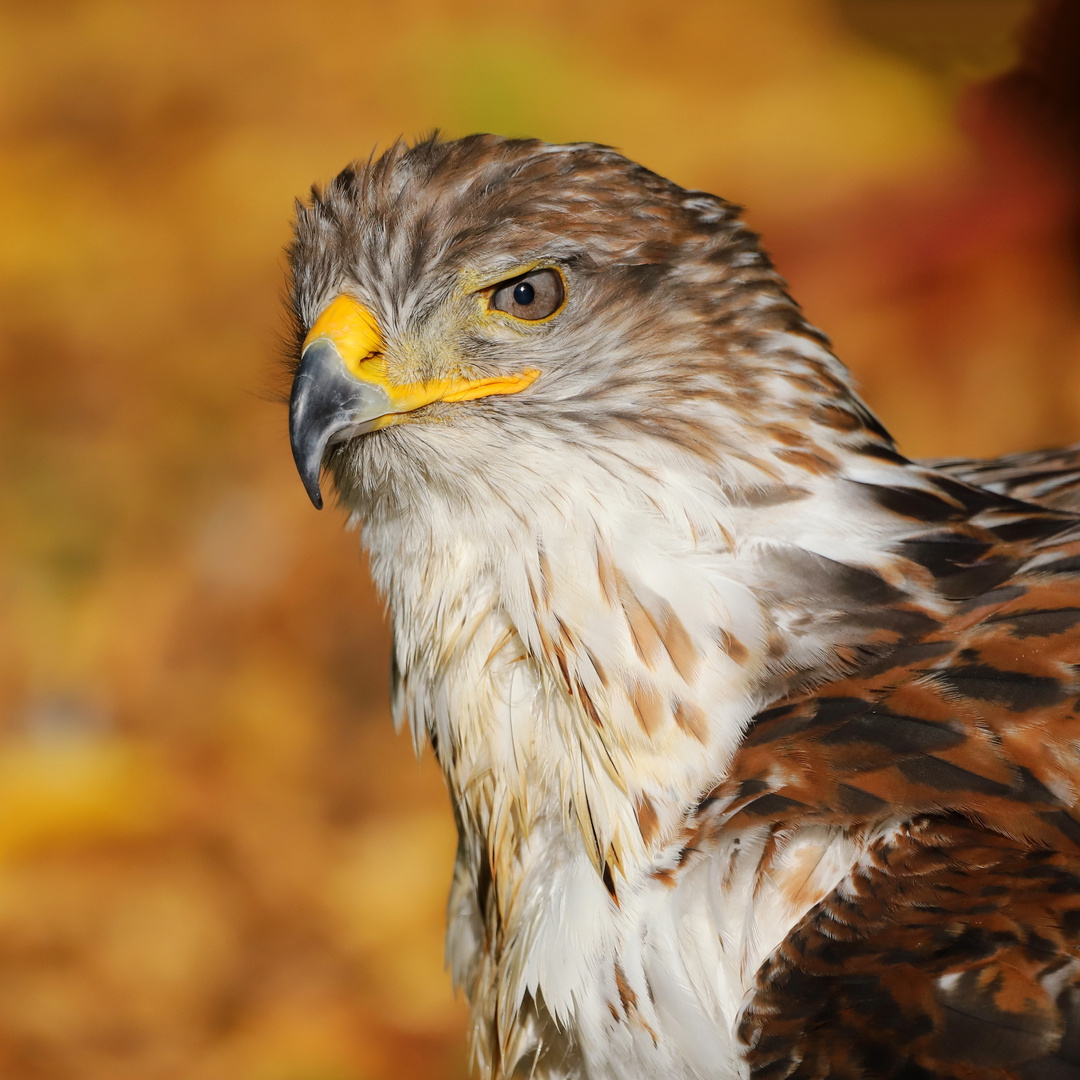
[(217, 862)]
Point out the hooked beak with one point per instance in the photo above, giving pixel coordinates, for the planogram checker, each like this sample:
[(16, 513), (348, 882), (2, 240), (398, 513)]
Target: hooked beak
[(327, 401), (341, 388)]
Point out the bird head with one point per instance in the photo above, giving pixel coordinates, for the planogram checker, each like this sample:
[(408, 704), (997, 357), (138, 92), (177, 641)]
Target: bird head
[(593, 444), (480, 300)]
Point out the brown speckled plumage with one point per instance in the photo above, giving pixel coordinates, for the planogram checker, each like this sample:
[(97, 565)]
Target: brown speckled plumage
[(762, 740)]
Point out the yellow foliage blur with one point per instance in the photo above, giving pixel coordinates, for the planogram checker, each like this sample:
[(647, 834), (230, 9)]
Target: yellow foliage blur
[(217, 862)]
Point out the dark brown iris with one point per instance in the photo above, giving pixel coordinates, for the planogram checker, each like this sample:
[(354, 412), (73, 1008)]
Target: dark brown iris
[(534, 296)]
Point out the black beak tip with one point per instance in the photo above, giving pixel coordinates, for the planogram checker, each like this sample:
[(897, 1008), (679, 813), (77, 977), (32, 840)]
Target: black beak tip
[(308, 460), (311, 415), (325, 401), (315, 495)]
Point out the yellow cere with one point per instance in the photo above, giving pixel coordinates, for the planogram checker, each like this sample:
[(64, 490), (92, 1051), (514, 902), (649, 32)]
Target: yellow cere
[(352, 329), (354, 332)]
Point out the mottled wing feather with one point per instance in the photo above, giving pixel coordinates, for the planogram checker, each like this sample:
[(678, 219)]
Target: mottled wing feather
[(977, 716), (1048, 477), (953, 950)]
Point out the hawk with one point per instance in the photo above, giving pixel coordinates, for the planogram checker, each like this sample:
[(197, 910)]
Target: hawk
[(761, 739)]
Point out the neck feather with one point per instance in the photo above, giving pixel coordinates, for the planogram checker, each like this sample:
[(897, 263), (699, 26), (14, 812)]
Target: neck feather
[(585, 642)]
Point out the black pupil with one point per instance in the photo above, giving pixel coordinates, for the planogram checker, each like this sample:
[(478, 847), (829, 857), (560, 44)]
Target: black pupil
[(524, 294)]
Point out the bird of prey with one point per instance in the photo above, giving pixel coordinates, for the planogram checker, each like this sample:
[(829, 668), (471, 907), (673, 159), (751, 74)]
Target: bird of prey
[(762, 739)]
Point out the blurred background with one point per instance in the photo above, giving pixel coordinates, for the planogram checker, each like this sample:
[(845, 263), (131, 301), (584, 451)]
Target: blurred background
[(217, 862)]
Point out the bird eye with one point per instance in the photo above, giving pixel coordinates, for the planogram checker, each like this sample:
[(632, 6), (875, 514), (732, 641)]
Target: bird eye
[(532, 297)]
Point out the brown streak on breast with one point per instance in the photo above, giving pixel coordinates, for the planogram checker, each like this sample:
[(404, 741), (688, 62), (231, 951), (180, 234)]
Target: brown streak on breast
[(609, 882), (606, 574), (560, 653), (648, 822), (776, 646), (647, 642), (626, 991), (651, 633), (679, 645), (692, 720), (666, 877), (731, 645), (648, 707), (601, 673), (555, 651), (589, 705)]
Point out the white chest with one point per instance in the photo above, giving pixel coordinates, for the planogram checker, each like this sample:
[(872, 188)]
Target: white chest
[(582, 696), (654, 986)]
